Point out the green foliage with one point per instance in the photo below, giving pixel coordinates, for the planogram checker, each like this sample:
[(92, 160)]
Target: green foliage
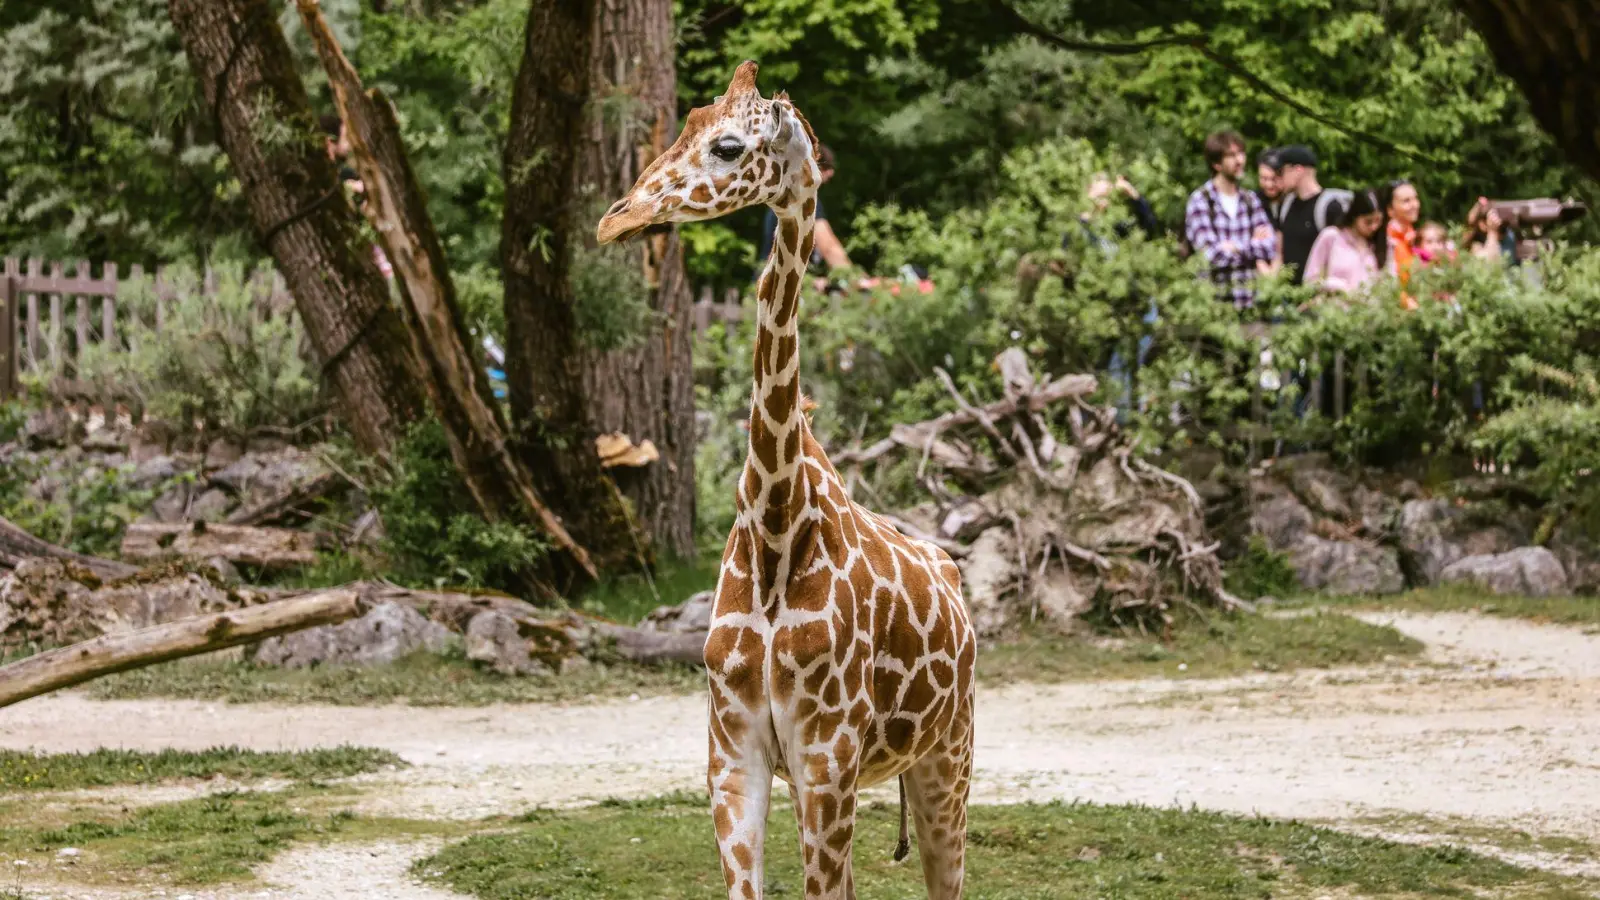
[(22, 770), (610, 299), (81, 506), (105, 149), (1550, 434), (227, 359), (1261, 571), (433, 534)]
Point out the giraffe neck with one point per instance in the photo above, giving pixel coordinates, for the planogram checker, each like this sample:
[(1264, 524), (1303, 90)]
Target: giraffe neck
[(776, 423)]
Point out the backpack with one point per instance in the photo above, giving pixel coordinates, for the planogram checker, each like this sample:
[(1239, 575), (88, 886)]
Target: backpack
[(1327, 198)]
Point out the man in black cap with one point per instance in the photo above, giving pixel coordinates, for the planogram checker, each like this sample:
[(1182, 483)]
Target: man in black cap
[(1306, 208)]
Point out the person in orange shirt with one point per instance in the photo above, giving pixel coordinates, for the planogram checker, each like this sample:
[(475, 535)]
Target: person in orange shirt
[(1404, 207)]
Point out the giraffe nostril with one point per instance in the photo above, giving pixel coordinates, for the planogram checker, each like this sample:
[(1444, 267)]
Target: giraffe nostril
[(617, 207)]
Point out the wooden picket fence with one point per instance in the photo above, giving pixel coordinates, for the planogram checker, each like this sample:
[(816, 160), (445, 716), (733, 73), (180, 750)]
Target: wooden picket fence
[(49, 318), (709, 309)]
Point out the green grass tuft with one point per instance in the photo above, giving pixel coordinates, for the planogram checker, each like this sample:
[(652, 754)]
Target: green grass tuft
[(1558, 610), (667, 851), (629, 598), (420, 679), (24, 771), (1216, 646)]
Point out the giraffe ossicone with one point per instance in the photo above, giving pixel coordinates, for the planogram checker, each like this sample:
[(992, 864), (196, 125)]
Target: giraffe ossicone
[(840, 654)]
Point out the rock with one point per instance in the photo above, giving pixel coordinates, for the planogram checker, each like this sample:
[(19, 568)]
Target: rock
[(169, 508), (988, 575), (494, 640), (1376, 511), (50, 427), (693, 614), (1346, 567), (106, 440), (266, 444), (222, 452), (1324, 490), (1435, 533), (153, 471), (1532, 571), (53, 602), (211, 506), (238, 476), (222, 570), (284, 470), (385, 634), (1281, 519), (1422, 531)]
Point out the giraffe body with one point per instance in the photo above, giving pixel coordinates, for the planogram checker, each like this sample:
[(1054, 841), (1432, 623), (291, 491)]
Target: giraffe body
[(840, 653)]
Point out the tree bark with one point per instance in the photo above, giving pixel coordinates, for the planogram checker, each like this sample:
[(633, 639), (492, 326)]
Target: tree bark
[(646, 390), (456, 381), (1551, 49), (555, 425), (265, 124)]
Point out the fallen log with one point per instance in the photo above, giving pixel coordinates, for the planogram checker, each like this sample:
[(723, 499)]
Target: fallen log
[(17, 545), (650, 648), (266, 548), (121, 651), (274, 508)]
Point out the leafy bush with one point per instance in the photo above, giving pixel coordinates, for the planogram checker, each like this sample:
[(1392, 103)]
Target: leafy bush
[(433, 534), (83, 507), (226, 359)]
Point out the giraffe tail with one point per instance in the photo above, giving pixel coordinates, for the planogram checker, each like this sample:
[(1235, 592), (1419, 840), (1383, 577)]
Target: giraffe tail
[(902, 848)]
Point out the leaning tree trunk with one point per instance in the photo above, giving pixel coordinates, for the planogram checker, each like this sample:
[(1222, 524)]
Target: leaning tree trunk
[(1551, 48), (646, 390), (265, 123), (555, 424)]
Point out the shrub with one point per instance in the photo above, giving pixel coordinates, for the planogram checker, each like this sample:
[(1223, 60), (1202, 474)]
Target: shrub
[(433, 534), (226, 359)]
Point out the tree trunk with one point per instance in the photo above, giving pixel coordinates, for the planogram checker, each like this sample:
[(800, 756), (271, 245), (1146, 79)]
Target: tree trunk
[(555, 425), (1551, 48), (266, 125), (456, 381), (645, 391)]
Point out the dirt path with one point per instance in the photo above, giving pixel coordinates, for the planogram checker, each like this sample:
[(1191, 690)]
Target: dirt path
[(1503, 729)]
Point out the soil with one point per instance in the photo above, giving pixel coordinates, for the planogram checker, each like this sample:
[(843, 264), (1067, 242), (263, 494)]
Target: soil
[(1500, 727)]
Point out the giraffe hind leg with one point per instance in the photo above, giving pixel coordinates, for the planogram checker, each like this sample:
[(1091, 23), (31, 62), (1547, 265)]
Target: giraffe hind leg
[(936, 789)]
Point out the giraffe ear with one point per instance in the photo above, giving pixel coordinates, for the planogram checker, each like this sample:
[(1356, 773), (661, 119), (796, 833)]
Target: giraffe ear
[(782, 125)]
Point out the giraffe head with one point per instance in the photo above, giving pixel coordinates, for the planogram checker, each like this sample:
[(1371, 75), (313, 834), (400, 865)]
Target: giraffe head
[(740, 151)]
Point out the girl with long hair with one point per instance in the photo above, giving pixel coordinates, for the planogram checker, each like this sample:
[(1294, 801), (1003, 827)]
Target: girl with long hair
[(1353, 252)]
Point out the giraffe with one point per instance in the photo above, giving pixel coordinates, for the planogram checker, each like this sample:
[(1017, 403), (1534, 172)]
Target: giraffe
[(840, 653)]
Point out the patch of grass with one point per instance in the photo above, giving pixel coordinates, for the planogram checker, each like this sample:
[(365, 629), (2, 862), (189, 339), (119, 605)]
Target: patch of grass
[(1216, 646), (211, 839), (628, 598), (420, 679), (1583, 611), (1499, 837), (1023, 852), (24, 771)]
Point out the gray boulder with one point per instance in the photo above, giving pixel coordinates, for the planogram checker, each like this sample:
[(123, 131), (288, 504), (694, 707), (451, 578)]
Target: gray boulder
[(1433, 534), (211, 506), (493, 639), (385, 634), (153, 471), (989, 576), (1281, 519), (1346, 567), (693, 614), (1531, 571)]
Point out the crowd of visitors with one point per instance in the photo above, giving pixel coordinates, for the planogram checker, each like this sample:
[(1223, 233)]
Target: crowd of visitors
[(1337, 240)]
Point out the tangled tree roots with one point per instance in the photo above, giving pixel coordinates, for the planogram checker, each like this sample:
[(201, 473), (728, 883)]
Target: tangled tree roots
[(1047, 526)]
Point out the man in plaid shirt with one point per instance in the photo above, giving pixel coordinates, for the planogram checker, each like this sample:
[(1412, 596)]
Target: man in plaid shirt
[(1228, 226)]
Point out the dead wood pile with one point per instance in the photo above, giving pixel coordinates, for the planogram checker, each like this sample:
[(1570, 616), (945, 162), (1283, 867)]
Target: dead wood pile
[(1048, 508)]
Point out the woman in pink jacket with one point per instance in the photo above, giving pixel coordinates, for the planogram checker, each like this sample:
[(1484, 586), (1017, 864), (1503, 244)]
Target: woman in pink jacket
[(1353, 253)]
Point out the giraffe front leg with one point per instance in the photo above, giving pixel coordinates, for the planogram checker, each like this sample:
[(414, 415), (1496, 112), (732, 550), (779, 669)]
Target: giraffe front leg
[(936, 790), (740, 779)]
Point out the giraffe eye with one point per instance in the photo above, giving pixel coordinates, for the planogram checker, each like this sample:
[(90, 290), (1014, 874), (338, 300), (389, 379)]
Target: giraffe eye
[(727, 149)]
